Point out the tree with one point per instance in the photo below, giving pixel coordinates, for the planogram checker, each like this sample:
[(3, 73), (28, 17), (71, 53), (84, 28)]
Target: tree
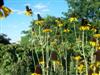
[(89, 9), (4, 39)]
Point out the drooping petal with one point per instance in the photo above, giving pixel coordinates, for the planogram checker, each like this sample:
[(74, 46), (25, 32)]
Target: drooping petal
[(6, 11), (28, 13), (1, 15)]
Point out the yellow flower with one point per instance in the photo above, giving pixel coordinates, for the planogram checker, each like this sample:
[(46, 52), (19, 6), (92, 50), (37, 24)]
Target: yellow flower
[(57, 62), (96, 35), (28, 13), (80, 68), (57, 21), (47, 30), (85, 27), (91, 66), (60, 25), (98, 47), (35, 74), (41, 62), (72, 19), (95, 74), (97, 64), (6, 11), (39, 22), (77, 58), (93, 29), (66, 30), (92, 43)]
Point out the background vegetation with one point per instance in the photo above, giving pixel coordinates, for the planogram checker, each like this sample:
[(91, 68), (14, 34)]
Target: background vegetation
[(68, 45)]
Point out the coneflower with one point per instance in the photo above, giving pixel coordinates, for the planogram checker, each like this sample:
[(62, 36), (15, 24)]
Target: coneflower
[(93, 70), (97, 34), (77, 57), (38, 70), (93, 28), (28, 11), (55, 60), (73, 18), (47, 29), (40, 20), (93, 42), (66, 30), (5, 10), (42, 61), (84, 25), (59, 22), (80, 68)]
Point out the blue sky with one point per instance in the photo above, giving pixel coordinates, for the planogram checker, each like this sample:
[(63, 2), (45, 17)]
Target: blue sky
[(15, 23)]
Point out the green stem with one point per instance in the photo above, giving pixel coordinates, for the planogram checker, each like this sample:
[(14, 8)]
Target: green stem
[(66, 60), (34, 52), (71, 67), (61, 34), (85, 60), (76, 67), (33, 58), (92, 56), (80, 73), (86, 37), (97, 43), (43, 61), (75, 31), (47, 54), (39, 31)]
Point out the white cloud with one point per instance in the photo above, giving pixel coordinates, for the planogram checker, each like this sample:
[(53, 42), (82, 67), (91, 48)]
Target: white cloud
[(18, 11), (40, 6)]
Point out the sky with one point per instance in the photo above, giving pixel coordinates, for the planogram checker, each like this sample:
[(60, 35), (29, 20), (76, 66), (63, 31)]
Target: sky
[(16, 22)]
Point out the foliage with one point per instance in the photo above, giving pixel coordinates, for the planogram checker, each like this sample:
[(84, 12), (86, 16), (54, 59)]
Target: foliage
[(3, 39), (57, 46)]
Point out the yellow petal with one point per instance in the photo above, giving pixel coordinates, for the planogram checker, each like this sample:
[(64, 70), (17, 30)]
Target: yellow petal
[(47, 30), (84, 28), (92, 43), (6, 11), (73, 19), (96, 35), (77, 58), (28, 13)]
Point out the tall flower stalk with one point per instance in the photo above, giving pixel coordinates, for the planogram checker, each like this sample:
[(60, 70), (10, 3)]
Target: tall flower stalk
[(85, 59), (75, 31), (47, 53)]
